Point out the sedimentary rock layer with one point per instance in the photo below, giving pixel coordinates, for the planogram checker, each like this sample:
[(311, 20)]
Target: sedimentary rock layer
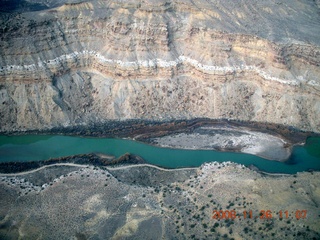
[(95, 61)]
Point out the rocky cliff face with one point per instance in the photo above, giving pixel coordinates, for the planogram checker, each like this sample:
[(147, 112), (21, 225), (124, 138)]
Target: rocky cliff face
[(89, 62)]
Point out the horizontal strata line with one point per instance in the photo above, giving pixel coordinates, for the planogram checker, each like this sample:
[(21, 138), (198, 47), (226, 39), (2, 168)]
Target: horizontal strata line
[(150, 63)]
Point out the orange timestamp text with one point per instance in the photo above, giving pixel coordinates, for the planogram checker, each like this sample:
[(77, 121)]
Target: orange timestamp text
[(262, 214)]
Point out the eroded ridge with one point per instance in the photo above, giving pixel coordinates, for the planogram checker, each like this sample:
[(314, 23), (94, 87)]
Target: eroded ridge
[(68, 202), (91, 62)]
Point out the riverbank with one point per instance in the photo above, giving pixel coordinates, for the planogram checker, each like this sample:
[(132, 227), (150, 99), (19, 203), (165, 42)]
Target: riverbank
[(270, 141), (21, 153), (92, 159), (142, 130)]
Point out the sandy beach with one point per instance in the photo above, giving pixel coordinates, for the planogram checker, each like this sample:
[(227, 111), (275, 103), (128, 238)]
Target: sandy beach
[(243, 140)]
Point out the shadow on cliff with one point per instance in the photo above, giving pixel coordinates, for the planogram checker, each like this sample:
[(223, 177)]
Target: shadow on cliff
[(10, 6), (20, 6)]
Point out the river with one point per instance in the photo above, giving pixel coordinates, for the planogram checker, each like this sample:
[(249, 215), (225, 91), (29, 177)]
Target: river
[(40, 147)]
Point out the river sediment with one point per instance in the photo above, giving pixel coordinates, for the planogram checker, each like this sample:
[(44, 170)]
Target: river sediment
[(271, 142), (229, 139)]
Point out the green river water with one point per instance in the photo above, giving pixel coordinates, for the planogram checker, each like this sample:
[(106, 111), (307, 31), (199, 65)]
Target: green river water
[(37, 147)]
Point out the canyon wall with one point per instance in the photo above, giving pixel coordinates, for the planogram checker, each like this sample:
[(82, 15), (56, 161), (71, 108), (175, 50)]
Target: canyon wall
[(90, 62)]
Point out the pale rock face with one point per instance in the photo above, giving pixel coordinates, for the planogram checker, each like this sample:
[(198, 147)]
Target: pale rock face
[(95, 61)]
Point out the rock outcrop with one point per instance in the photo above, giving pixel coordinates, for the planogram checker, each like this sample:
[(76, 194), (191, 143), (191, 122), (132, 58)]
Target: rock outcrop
[(90, 62)]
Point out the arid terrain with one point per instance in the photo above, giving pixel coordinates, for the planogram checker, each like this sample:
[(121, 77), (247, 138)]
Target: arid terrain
[(145, 202), (85, 63), (159, 71)]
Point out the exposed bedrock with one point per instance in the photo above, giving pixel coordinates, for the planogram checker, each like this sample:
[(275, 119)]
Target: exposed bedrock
[(90, 62)]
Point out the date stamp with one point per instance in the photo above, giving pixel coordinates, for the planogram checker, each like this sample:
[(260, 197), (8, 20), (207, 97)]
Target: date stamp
[(262, 214)]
